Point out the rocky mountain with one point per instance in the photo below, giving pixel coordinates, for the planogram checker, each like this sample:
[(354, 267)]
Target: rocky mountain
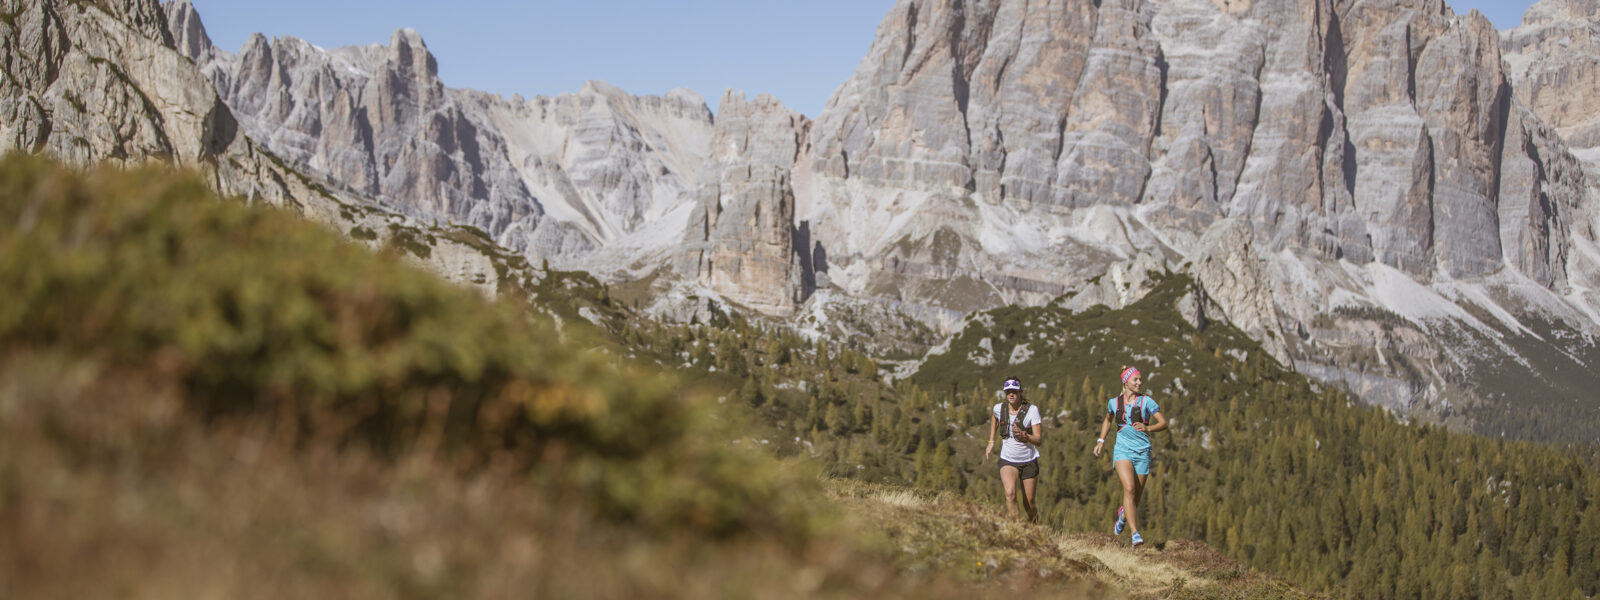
[(95, 82), (378, 120), (741, 241), (1387, 195), (1359, 184), (89, 82)]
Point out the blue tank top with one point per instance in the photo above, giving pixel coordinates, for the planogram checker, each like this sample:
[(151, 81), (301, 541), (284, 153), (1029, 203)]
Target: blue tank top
[(1128, 438)]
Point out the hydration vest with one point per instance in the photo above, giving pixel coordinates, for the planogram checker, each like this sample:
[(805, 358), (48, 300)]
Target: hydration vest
[(1022, 415), (1137, 412)]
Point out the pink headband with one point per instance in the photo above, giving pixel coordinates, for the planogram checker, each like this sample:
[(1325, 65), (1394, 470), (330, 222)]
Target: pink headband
[(1128, 373)]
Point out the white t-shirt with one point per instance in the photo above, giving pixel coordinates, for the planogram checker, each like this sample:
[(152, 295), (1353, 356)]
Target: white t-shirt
[(1012, 450)]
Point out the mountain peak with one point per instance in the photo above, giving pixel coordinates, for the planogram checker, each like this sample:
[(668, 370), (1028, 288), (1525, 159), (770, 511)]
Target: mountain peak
[(406, 36), (1547, 11), (601, 88), (407, 48), (686, 96), (188, 31)]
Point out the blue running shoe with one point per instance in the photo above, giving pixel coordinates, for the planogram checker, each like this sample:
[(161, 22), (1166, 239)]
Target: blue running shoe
[(1117, 529), (1137, 541)]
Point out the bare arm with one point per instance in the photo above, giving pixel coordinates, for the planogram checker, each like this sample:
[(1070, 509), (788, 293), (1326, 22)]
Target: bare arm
[(1105, 427), (992, 425)]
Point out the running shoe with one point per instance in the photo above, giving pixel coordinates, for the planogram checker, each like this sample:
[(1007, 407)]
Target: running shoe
[(1121, 522), (1137, 541)]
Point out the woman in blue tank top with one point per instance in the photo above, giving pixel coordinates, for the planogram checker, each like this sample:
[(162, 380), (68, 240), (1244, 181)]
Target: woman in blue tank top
[(1136, 416)]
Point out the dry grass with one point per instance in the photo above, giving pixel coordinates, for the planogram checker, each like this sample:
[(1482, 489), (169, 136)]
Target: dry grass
[(1145, 568), (933, 533), (903, 498), (108, 489)]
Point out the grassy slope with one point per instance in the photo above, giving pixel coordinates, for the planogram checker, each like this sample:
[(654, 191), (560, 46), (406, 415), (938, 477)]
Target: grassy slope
[(199, 398), (1259, 463)]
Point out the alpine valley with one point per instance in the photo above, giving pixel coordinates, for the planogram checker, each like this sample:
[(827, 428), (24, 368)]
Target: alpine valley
[(1273, 206)]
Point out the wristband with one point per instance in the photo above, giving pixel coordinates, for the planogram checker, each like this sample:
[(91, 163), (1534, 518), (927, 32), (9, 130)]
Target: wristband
[(1100, 440)]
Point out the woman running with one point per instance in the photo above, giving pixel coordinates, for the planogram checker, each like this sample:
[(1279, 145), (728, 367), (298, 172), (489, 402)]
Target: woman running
[(1019, 424), (1136, 416)]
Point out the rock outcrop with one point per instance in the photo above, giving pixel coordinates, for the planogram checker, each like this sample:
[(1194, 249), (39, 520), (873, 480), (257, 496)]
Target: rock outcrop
[(101, 82), (1226, 265), (741, 241)]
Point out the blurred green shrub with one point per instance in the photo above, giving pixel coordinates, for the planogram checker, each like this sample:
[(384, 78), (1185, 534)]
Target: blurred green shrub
[(260, 317)]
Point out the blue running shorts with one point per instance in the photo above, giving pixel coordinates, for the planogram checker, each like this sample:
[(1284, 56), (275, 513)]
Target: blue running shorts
[(1141, 461)]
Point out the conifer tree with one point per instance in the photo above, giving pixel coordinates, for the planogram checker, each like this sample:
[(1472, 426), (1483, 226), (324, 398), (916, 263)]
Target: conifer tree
[(1527, 586), (1556, 582), (920, 464), (861, 415), (1491, 582), (1586, 571), (944, 476), (750, 393)]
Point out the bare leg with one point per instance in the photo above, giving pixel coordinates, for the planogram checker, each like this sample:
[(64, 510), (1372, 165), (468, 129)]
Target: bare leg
[(1131, 488), (1027, 499), (1008, 480)]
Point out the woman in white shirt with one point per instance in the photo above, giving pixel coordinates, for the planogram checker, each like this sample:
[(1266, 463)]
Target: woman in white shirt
[(1020, 427)]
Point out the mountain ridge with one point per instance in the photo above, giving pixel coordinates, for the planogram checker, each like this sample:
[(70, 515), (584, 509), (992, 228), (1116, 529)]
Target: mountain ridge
[(938, 184)]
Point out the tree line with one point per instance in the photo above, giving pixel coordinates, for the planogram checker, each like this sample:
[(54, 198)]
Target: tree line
[(1281, 474)]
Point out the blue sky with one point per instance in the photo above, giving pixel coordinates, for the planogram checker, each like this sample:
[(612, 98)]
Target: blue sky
[(798, 51), (1505, 14)]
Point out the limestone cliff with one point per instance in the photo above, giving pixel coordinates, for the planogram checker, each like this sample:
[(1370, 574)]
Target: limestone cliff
[(742, 241), (104, 82), (1354, 182)]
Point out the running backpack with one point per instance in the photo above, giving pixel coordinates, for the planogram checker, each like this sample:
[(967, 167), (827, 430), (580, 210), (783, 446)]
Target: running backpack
[(1137, 414), (1022, 415)]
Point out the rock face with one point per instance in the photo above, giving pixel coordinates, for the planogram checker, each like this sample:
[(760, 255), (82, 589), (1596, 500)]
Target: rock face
[(104, 82), (1369, 130), (1305, 160), (85, 83), (741, 241), (1554, 60), (96, 82)]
